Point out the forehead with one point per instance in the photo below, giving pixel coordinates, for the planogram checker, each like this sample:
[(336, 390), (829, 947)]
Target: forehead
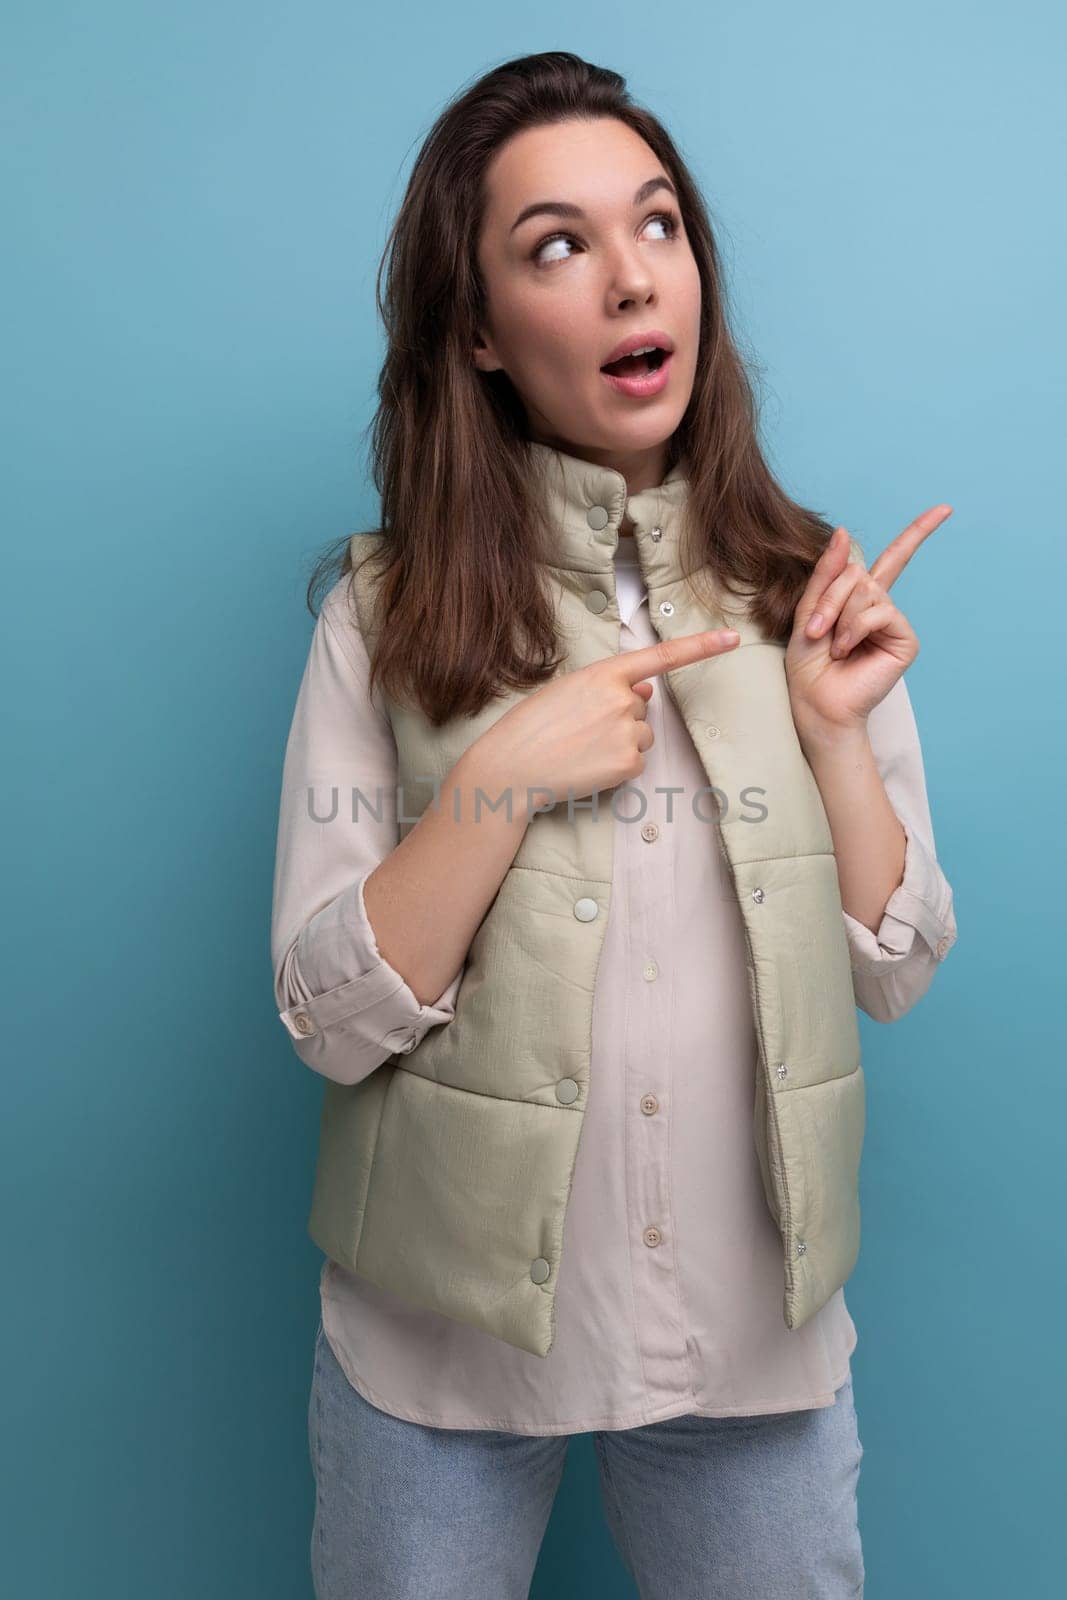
[(595, 163)]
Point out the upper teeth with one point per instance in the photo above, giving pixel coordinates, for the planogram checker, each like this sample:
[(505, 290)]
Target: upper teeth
[(646, 349)]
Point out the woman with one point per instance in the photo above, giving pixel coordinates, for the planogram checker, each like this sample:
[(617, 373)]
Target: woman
[(565, 529)]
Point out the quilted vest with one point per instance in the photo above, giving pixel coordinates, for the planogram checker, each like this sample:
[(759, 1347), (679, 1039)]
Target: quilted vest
[(444, 1175)]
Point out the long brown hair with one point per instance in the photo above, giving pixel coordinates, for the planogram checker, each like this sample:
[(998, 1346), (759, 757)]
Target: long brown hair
[(463, 608)]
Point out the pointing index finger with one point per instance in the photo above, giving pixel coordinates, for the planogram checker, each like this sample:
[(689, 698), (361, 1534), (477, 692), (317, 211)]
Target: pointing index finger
[(886, 569), (669, 654)]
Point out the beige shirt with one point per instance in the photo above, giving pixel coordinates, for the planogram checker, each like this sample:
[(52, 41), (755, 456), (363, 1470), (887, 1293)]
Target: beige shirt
[(671, 1279)]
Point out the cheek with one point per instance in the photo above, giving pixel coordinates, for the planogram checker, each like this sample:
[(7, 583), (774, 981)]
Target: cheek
[(545, 346), (689, 302), (689, 293)]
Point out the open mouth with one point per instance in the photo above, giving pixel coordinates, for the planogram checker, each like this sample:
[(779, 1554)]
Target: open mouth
[(636, 366)]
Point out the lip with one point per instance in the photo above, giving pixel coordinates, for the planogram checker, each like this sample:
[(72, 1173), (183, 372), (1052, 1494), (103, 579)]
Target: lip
[(636, 340), (641, 384)]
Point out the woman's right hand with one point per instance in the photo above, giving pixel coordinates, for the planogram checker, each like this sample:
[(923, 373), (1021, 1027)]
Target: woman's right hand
[(588, 729)]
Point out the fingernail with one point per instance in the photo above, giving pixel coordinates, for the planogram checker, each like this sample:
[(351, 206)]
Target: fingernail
[(816, 622)]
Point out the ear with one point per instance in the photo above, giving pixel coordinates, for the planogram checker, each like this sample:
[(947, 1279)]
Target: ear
[(485, 357)]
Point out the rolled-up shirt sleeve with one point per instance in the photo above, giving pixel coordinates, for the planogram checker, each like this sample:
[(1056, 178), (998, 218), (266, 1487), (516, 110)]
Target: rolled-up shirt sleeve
[(346, 1009), (893, 967)]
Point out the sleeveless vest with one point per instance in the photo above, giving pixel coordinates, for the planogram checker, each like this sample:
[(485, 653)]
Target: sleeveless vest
[(444, 1176)]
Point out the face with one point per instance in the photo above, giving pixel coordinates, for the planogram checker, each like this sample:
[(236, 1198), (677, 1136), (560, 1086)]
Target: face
[(563, 290)]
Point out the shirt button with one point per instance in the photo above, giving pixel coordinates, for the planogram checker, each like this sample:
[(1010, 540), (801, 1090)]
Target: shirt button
[(712, 731), (666, 608), (649, 1104), (566, 1091), (596, 600), (303, 1023), (539, 1269), (597, 517), (585, 909), (650, 831), (650, 971), (942, 947), (652, 1236)]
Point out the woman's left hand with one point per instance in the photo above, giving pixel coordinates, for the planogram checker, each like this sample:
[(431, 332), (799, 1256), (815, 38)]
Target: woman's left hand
[(850, 643)]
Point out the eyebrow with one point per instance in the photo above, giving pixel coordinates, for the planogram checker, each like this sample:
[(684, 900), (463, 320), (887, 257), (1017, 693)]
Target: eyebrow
[(564, 208)]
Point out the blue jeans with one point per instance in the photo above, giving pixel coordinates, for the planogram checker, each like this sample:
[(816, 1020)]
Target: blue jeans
[(700, 1508)]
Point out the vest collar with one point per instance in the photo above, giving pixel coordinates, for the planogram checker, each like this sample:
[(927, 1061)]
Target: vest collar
[(586, 504)]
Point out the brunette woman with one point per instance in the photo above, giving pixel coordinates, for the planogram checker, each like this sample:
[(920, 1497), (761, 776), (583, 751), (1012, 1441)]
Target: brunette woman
[(587, 581)]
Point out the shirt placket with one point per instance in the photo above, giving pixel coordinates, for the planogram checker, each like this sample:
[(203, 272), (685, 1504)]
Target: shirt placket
[(647, 851)]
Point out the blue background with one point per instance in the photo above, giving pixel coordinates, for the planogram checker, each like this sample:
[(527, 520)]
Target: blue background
[(195, 200)]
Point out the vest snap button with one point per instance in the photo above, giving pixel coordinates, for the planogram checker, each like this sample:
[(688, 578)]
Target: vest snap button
[(666, 608), (585, 909), (539, 1270), (566, 1091), (781, 1069), (596, 600), (656, 533), (597, 517), (712, 731), (759, 896)]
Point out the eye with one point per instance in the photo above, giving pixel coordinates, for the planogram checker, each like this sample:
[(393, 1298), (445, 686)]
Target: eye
[(668, 218)]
